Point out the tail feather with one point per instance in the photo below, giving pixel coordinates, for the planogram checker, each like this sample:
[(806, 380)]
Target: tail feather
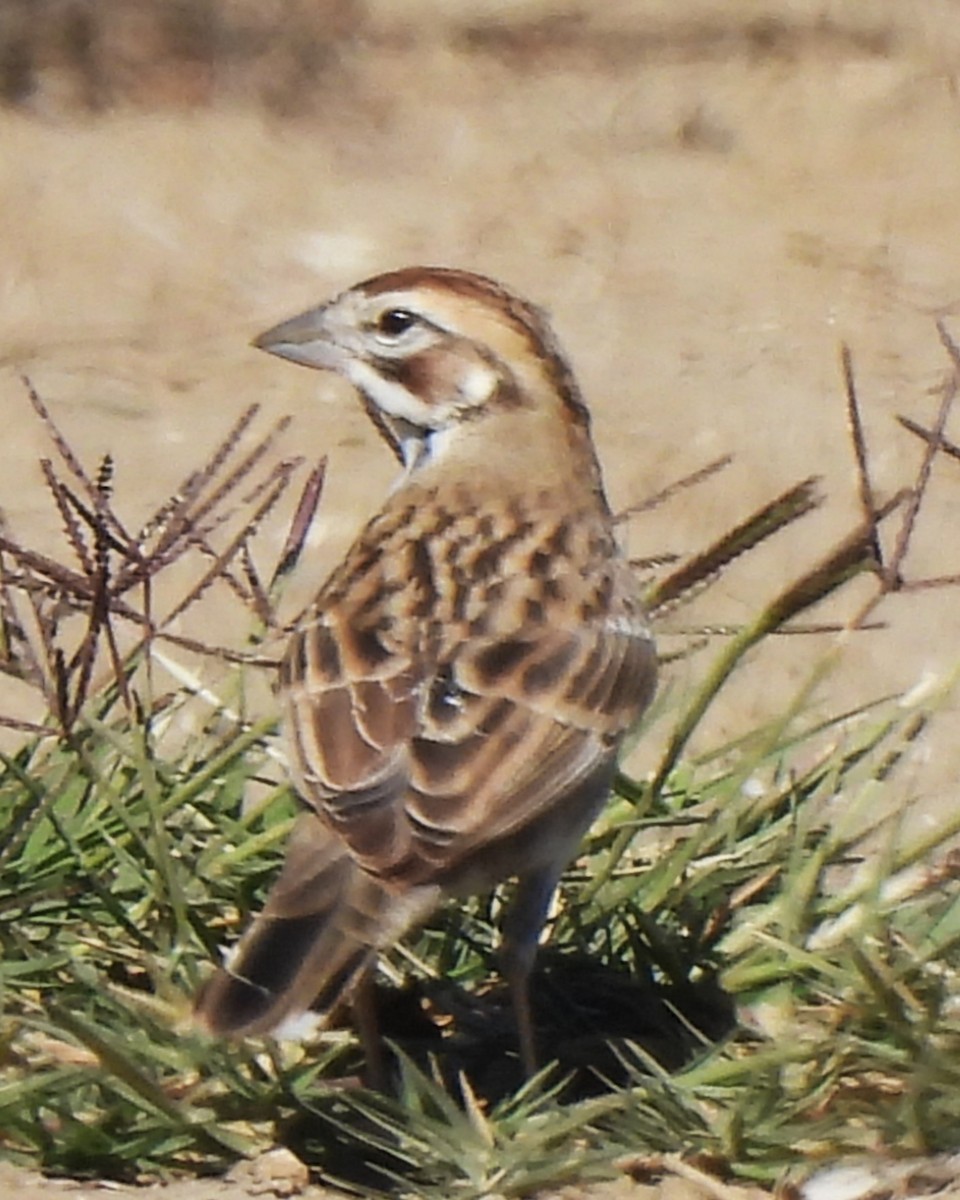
[(321, 928), (282, 968)]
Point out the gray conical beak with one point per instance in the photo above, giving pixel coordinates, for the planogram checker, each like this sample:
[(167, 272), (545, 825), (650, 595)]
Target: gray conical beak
[(303, 339)]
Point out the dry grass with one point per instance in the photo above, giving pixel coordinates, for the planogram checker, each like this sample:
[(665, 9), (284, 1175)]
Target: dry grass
[(129, 855), (150, 244), (709, 212)]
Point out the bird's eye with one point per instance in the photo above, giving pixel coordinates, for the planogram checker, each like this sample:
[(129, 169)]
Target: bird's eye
[(394, 322)]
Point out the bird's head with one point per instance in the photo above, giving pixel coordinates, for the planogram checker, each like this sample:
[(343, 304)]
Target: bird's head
[(431, 349)]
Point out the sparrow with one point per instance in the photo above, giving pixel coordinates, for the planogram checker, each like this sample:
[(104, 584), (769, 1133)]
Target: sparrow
[(455, 698)]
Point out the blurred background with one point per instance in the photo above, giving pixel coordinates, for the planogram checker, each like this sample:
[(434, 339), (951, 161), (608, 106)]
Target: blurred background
[(710, 197)]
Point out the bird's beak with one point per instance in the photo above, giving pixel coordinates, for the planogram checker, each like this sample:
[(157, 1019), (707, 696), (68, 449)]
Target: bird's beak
[(303, 339)]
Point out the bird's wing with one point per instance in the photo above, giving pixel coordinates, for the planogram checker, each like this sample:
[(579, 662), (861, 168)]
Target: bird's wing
[(418, 763)]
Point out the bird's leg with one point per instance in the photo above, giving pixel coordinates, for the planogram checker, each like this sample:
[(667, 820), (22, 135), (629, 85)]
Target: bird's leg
[(363, 1004), (518, 950)]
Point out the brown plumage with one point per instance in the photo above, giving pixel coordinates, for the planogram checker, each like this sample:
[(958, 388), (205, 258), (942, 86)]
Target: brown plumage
[(455, 700)]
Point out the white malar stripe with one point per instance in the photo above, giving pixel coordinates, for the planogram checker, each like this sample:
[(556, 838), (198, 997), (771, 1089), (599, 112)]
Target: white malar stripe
[(389, 395)]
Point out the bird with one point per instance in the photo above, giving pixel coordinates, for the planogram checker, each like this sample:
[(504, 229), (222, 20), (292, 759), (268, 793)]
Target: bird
[(455, 698)]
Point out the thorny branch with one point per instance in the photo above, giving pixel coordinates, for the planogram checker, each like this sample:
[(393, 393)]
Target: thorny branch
[(114, 572), (211, 521)]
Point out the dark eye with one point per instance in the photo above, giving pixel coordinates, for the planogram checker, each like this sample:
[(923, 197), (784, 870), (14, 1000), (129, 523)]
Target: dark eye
[(395, 322)]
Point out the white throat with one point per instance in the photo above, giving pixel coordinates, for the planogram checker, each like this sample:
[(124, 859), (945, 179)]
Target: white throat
[(418, 451)]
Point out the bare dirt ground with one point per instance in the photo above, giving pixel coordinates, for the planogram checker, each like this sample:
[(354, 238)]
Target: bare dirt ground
[(28, 1186), (709, 198)]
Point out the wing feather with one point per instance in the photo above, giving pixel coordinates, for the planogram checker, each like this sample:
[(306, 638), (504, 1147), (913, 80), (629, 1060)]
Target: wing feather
[(418, 769)]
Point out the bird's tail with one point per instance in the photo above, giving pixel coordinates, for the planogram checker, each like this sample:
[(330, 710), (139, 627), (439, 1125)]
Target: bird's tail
[(320, 930)]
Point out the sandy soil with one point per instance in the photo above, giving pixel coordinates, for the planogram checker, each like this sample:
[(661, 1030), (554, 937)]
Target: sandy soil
[(250, 1180), (709, 204)]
